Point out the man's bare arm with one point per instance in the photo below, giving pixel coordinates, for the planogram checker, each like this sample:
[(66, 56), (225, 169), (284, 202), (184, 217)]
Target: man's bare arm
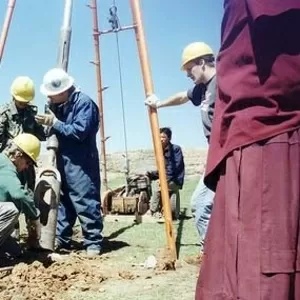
[(177, 99)]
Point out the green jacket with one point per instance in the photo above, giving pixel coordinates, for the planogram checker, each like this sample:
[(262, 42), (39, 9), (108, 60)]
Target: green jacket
[(14, 122), (11, 189)]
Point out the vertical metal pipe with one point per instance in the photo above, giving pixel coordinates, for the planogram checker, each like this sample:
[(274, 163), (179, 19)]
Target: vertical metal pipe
[(6, 24), (48, 185), (65, 37), (148, 86), (97, 63)]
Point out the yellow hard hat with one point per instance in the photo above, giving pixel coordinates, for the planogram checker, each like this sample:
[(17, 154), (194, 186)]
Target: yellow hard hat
[(22, 89), (194, 50), (29, 144)]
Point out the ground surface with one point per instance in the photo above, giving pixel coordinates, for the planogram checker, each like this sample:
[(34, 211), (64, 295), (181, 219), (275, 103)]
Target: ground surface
[(118, 273)]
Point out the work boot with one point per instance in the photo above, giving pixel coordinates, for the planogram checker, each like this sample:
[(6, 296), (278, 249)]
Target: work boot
[(92, 251), (158, 215), (149, 212), (63, 249)]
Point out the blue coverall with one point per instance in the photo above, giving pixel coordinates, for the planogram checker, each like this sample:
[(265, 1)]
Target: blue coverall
[(78, 163)]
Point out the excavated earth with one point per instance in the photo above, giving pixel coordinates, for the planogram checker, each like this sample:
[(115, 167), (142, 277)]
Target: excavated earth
[(47, 277), (44, 279)]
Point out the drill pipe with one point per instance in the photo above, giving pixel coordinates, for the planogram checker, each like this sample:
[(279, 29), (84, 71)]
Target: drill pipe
[(47, 191)]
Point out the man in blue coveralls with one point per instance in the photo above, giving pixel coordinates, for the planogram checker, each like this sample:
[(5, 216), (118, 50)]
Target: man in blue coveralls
[(75, 121)]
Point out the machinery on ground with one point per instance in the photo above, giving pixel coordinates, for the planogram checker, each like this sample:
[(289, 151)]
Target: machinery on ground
[(132, 198)]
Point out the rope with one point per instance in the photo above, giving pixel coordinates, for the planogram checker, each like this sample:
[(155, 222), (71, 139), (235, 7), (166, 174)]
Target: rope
[(115, 25), (123, 106)]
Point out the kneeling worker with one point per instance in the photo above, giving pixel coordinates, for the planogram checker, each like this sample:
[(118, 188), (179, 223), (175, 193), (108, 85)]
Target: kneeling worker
[(21, 153)]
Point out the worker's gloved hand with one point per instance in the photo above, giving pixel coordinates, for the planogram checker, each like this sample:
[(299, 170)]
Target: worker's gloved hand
[(152, 101), (48, 119), (34, 234)]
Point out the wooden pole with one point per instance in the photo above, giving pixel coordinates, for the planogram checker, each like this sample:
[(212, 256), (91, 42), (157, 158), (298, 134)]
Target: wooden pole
[(7, 21), (149, 89), (100, 89)]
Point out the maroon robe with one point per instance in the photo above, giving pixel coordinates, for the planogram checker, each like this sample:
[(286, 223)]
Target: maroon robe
[(258, 76), (252, 248)]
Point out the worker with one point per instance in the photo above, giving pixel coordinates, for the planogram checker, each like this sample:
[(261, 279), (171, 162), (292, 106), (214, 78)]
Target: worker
[(252, 248), (19, 154), (198, 61), (75, 123), (17, 116), (175, 170)]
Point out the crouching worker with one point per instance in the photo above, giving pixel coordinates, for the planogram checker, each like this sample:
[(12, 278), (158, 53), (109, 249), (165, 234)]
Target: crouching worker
[(174, 164), (20, 154)]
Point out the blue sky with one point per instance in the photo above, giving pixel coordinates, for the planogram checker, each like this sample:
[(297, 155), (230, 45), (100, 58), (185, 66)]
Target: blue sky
[(32, 44)]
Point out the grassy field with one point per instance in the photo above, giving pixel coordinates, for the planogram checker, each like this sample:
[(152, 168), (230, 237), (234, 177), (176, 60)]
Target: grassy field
[(152, 235), (117, 274), (134, 243)]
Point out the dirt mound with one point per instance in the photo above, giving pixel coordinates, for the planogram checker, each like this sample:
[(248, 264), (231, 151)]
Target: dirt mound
[(165, 262), (35, 281)]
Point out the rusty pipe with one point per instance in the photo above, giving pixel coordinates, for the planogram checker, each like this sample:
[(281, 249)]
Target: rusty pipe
[(100, 89), (7, 21), (149, 89)]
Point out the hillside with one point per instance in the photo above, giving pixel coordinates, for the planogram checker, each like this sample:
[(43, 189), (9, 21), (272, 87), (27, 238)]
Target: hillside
[(143, 160)]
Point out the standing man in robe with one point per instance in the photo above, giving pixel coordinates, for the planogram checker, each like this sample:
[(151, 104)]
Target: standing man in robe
[(252, 248)]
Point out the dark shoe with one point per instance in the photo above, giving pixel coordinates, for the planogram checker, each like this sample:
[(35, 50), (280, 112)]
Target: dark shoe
[(10, 248), (63, 249)]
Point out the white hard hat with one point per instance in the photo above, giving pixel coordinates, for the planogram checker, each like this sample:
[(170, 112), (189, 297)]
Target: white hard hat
[(56, 81)]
